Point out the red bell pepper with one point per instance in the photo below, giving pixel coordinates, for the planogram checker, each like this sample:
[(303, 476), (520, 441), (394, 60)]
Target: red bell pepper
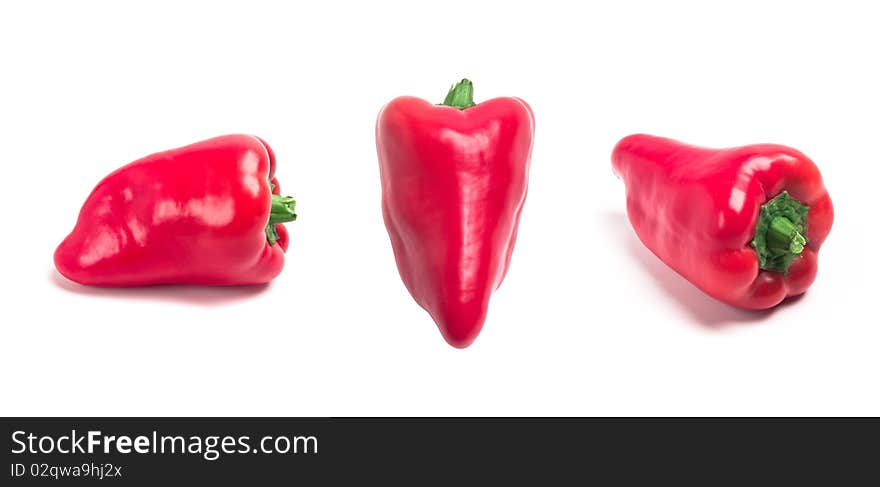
[(208, 213), (742, 224), (454, 181)]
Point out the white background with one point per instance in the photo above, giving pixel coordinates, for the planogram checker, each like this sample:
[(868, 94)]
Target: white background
[(588, 322)]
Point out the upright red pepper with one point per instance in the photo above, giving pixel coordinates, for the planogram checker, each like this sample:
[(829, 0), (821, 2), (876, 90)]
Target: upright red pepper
[(743, 224), (208, 213), (454, 180)]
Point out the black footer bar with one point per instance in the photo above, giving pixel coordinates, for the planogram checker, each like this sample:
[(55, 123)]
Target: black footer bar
[(419, 451)]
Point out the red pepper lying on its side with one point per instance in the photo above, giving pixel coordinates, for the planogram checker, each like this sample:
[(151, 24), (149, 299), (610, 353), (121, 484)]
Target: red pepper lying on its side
[(454, 180), (743, 224), (208, 213)]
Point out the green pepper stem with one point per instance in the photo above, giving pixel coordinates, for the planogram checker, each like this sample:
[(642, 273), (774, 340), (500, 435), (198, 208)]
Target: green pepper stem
[(780, 233), (461, 95), (783, 236), (283, 210)]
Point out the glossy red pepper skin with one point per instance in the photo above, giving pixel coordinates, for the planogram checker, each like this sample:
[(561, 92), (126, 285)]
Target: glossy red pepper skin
[(192, 215), (697, 210), (453, 186)]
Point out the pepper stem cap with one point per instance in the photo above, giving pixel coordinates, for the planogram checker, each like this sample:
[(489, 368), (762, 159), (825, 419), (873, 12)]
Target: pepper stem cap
[(283, 210), (461, 95), (780, 233)]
